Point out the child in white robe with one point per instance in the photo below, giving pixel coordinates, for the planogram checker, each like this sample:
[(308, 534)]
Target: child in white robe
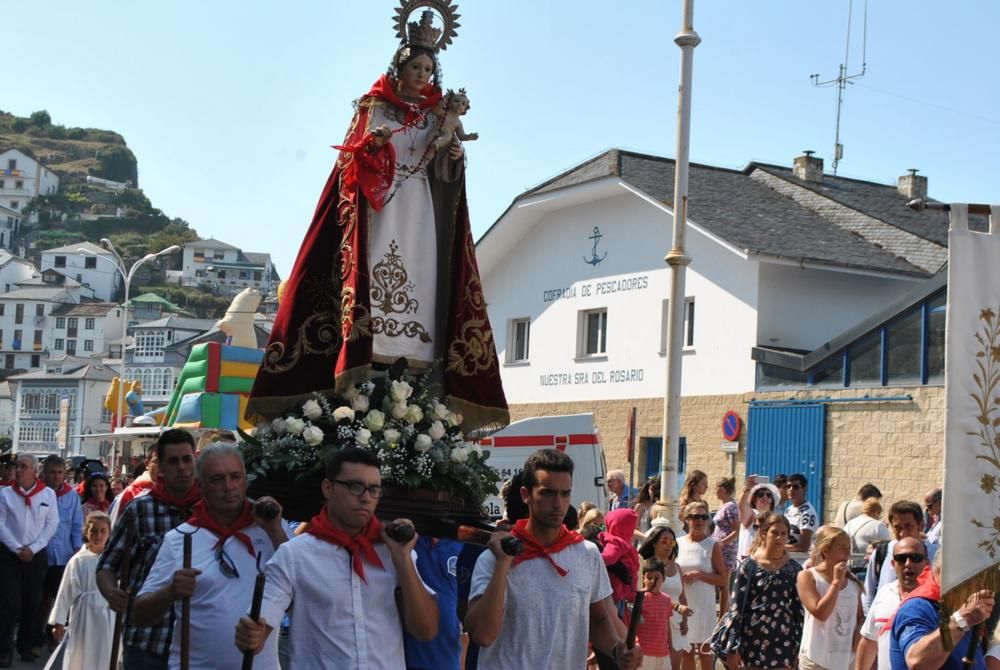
[(91, 620)]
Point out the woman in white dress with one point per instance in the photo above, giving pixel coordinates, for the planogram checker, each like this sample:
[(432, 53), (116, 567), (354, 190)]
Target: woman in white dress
[(703, 570), (831, 596), (91, 621)]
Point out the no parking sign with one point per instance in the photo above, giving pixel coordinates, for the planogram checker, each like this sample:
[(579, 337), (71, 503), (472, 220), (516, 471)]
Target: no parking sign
[(732, 424)]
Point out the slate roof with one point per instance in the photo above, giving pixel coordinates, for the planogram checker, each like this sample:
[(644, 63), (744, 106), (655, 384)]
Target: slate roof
[(91, 371), (757, 219), (210, 243), (75, 249), (178, 322), (84, 309)]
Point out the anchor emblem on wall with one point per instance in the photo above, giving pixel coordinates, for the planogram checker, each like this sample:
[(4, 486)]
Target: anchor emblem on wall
[(594, 258)]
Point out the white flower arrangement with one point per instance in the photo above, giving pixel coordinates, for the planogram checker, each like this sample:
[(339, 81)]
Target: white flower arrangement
[(415, 435)]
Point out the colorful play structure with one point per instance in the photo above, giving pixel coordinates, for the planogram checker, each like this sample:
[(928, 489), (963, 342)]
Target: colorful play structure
[(213, 388)]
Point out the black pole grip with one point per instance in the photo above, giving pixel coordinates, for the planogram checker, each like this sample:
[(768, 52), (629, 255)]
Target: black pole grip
[(266, 510), (400, 532), (511, 546)]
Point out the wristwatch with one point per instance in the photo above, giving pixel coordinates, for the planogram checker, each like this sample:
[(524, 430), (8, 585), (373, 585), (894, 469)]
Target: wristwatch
[(960, 621)]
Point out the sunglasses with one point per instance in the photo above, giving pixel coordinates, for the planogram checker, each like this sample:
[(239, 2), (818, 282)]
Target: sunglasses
[(698, 517), (226, 565), (793, 486), (762, 494), (912, 558)]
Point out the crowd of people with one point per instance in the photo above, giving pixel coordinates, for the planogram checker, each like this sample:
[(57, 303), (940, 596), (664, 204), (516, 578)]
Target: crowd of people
[(756, 583)]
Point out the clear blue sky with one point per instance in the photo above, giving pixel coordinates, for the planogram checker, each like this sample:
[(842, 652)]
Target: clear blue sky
[(231, 106)]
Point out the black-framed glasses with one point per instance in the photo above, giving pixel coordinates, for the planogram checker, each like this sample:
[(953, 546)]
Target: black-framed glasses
[(912, 558), (698, 517), (226, 565), (358, 488)]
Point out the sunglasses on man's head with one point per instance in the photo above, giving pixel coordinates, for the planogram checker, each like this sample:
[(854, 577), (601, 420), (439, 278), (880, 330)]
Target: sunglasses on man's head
[(698, 517), (912, 558)]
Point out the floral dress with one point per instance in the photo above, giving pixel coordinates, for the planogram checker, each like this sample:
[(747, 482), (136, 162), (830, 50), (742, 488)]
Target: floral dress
[(727, 519), (768, 614)]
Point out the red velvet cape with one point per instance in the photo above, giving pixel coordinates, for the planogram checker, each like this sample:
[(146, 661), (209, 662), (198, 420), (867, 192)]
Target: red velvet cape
[(322, 340)]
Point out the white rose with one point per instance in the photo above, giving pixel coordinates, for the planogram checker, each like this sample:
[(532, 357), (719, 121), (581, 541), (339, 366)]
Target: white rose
[(278, 426), (440, 411), (459, 455), (398, 410), (459, 436), (423, 443), (400, 391), (294, 425), (363, 436), (375, 420), (459, 418), (436, 431), (312, 410), (360, 403), (414, 414), (391, 435), (312, 435), (343, 412), (350, 393)]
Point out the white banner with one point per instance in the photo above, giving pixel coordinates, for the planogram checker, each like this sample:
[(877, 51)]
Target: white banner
[(971, 511)]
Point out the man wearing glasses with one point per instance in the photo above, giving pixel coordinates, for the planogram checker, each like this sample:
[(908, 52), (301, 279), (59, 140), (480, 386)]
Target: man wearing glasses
[(348, 583), (228, 542), (908, 561), (802, 518), (138, 532)]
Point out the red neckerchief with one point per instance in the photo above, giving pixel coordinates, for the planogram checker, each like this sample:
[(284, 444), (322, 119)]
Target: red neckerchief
[(534, 549), (201, 518), (63, 490), (102, 506), (159, 491), (361, 545), (384, 89), (6, 482), (38, 488), (926, 588)]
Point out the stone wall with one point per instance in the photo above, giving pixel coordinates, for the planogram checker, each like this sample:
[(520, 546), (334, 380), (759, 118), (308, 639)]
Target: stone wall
[(897, 446)]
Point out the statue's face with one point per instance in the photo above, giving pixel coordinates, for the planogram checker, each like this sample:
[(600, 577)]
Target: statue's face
[(460, 104), (415, 74)]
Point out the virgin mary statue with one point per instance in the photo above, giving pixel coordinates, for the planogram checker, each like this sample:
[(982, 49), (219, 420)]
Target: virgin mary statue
[(387, 269)]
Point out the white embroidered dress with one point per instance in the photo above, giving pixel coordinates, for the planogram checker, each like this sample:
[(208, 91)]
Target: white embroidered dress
[(91, 621), (402, 250)]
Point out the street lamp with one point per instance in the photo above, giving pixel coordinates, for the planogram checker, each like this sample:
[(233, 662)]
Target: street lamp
[(127, 277)]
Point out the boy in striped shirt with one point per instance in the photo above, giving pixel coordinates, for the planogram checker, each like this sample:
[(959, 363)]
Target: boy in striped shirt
[(653, 631)]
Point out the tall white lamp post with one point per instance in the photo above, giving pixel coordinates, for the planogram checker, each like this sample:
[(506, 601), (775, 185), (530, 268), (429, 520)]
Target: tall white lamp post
[(687, 39), (127, 277)]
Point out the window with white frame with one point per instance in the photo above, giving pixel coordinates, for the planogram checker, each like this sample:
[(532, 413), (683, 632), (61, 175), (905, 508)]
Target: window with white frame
[(60, 322), (155, 381), (519, 332), (688, 324), (37, 431), (88, 345), (149, 343), (88, 324), (60, 344), (593, 333)]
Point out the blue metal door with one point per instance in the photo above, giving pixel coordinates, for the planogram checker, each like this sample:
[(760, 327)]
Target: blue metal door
[(788, 439), (654, 454)]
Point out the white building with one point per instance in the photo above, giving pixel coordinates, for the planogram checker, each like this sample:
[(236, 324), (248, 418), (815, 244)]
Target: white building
[(86, 329), (23, 178), (25, 323), (226, 269), (10, 224), (89, 264), (37, 398), (784, 261), (14, 270), (154, 359)]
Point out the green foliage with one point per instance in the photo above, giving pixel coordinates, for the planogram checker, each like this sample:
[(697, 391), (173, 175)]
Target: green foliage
[(19, 125), (40, 119), (203, 305), (118, 164)]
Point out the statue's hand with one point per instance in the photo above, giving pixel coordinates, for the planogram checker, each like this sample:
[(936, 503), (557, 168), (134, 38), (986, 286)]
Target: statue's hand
[(380, 136), (457, 150)]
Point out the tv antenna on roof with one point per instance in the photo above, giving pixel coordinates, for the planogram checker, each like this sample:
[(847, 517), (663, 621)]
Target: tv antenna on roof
[(843, 79)]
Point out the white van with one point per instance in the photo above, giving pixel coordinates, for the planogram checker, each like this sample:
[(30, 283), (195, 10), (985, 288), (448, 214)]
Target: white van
[(574, 434)]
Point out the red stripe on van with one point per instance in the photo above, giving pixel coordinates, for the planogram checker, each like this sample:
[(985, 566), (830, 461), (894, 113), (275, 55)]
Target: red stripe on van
[(583, 438)]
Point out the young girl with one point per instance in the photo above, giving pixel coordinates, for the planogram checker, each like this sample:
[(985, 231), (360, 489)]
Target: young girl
[(91, 621), (661, 543), (653, 631), (831, 595)]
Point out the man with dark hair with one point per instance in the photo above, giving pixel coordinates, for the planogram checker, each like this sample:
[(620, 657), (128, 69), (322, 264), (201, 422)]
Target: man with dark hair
[(139, 486), (66, 542), (341, 579), (905, 520), (802, 517), (226, 540), (139, 530), (779, 482), (850, 509), (28, 520), (537, 610)]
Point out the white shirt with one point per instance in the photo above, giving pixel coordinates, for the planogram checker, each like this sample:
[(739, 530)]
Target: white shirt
[(546, 622), (863, 530), (218, 601), (23, 526), (337, 620), (801, 518), (883, 607)]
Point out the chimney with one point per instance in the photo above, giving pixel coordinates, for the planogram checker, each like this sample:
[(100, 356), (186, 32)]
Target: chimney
[(913, 186), (808, 168)]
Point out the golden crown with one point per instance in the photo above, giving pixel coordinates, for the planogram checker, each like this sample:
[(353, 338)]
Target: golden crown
[(423, 33)]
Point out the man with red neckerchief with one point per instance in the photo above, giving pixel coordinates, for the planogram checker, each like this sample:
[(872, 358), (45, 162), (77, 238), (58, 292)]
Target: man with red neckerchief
[(143, 524), (226, 539), (539, 609), (347, 582), (28, 520)]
